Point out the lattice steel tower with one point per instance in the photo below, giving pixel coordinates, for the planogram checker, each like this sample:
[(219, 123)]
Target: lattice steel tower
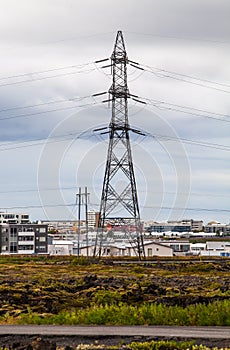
[(119, 200)]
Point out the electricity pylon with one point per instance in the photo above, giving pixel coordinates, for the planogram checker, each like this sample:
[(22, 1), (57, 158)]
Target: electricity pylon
[(119, 200)]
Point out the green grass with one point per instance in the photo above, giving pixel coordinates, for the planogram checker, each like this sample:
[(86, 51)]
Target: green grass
[(72, 290), (213, 314), (169, 345)]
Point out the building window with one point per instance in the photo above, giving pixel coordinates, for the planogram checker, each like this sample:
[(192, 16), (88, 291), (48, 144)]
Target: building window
[(13, 247), (26, 247), (150, 252), (25, 238), (13, 230), (41, 247)]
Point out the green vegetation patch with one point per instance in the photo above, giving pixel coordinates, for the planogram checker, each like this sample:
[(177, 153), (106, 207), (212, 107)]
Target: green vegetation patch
[(87, 291), (213, 314), (151, 345)]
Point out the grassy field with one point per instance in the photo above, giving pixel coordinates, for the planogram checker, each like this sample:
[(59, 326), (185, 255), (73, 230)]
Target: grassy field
[(71, 290)]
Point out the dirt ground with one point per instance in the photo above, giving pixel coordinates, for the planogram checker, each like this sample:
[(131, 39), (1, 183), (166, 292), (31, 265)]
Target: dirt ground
[(103, 342)]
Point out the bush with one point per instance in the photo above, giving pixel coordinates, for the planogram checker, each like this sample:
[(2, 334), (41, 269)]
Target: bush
[(213, 314)]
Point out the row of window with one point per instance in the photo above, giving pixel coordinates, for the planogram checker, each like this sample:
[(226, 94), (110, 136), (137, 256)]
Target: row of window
[(31, 247), (25, 238), (15, 238), (26, 247)]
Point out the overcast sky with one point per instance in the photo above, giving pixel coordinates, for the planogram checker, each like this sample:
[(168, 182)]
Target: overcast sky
[(47, 113)]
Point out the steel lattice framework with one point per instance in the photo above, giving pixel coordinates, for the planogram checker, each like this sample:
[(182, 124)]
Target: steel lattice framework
[(119, 192)]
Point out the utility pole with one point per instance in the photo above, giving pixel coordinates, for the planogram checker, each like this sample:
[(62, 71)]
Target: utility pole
[(79, 202), (86, 222), (82, 199), (119, 200)]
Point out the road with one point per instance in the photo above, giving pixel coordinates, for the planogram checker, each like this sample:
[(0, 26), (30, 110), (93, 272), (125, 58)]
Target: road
[(110, 331)]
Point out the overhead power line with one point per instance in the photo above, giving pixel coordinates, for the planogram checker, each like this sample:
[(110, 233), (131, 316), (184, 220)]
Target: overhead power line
[(185, 78), (40, 141), (46, 71), (68, 188), (183, 38), (189, 141), (71, 99), (189, 209), (50, 111), (152, 102), (64, 137), (182, 77), (163, 105), (217, 210), (47, 77), (160, 72)]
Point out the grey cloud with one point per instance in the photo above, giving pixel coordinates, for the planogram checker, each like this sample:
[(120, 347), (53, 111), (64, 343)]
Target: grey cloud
[(173, 35)]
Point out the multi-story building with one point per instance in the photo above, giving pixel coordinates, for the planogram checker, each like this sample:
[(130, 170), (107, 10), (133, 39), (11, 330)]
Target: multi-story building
[(61, 226), (179, 247), (14, 218), (93, 218), (217, 228), (23, 239), (196, 225), (176, 226)]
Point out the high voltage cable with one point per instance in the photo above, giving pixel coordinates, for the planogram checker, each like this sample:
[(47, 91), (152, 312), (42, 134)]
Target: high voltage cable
[(36, 142), (193, 142), (49, 77), (187, 76), (165, 73), (188, 209), (152, 102), (161, 73), (151, 69), (179, 208), (198, 194), (46, 71), (96, 204), (49, 111), (64, 137), (58, 41), (185, 109), (71, 99), (180, 37)]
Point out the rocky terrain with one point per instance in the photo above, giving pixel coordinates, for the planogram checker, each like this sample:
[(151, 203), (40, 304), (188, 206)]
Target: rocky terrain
[(115, 343), (51, 285), (48, 285)]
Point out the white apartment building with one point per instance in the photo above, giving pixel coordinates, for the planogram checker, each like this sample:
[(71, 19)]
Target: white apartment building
[(14, 218), (217, 228), (92, 217)]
